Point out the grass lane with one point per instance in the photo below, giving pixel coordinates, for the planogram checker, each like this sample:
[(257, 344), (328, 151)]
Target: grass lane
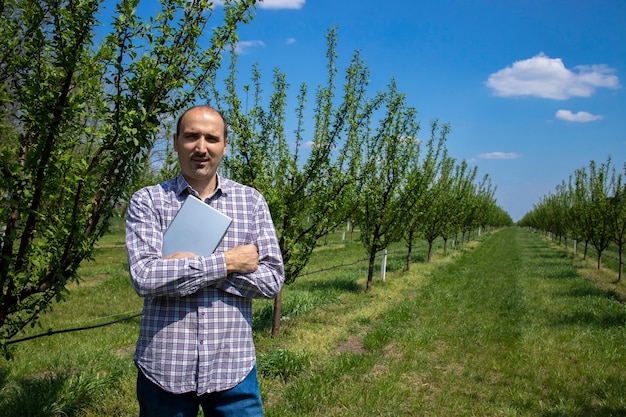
[(508, 329)]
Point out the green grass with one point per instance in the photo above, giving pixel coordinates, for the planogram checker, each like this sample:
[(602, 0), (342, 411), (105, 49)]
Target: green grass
[(506, 327), (509, 329)]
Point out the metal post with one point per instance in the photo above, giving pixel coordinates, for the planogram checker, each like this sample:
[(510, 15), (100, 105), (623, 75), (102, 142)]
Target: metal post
[(383, 265)]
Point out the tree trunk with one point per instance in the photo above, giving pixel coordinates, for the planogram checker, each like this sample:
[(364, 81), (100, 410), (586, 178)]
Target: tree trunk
[(408, 257), (370, 270), (409, 251), (278, 306), (620, 267), (430, 250)]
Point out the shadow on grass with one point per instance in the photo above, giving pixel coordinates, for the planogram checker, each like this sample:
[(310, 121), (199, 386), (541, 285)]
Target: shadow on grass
[(591, 291), (598, 319), (342, 284), (564, 273), (593, 306)]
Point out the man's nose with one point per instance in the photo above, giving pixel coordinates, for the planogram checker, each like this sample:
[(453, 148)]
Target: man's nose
[(201, 145)]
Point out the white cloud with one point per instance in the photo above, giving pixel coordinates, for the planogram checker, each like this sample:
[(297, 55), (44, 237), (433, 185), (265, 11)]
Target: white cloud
[(545, 77), (274, 4), (244, 46), (581, 116), (499, 155), (281, 4), (290, 41)]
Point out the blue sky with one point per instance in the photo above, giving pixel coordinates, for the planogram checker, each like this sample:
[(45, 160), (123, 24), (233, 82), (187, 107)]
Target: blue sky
[(533, 90)]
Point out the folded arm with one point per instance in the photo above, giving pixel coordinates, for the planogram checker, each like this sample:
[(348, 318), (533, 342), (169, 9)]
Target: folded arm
[(253, 270)]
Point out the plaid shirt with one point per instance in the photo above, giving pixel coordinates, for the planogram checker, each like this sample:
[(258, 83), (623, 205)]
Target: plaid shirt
[(196, 326)]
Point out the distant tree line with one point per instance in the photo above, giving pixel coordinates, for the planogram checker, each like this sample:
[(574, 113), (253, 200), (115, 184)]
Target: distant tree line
[(589, 208)]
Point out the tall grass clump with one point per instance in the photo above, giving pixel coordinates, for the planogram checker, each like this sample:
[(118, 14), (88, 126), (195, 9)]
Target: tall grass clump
[(282, 363), (50, 395)]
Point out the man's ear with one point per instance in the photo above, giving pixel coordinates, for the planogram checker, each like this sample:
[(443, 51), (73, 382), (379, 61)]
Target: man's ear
[(175, 137)]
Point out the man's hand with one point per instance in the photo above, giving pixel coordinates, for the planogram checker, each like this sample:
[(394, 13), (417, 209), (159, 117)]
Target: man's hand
[(242, 259)]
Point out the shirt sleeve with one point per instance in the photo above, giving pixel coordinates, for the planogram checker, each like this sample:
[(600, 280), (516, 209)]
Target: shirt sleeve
[(268, 279), (153, 276)]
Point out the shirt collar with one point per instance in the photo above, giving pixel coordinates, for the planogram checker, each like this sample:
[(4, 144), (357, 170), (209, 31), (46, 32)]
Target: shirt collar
[(183, 187)]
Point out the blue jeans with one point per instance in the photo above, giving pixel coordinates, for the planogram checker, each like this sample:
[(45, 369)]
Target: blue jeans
[(243, 400)]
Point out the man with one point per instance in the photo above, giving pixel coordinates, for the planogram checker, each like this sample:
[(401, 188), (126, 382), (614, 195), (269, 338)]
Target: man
[(195, 343)]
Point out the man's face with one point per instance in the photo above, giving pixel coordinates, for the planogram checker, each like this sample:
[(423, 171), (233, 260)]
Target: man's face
[(200, 144)]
